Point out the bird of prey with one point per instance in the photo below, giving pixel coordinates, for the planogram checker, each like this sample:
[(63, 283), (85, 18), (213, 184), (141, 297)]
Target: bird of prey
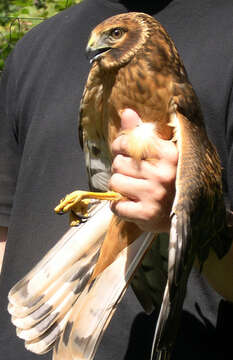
[(68, 299)]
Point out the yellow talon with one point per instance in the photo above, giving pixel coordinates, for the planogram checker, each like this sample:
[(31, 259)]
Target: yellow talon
[(77, 203)]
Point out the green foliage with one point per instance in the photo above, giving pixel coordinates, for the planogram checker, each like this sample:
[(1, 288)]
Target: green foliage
[(19, 16)]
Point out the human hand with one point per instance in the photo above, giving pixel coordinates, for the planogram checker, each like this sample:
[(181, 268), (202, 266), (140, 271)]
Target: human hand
[(149, 187)]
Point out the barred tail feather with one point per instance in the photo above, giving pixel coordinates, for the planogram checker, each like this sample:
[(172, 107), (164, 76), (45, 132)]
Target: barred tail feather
[(40, 304), (96, 305), (72, 245)]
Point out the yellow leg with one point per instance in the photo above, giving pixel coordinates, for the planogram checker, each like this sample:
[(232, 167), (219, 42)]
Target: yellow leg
[(77, 203)]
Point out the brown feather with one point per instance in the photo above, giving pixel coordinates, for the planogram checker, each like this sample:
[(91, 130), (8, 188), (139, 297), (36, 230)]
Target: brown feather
[(120, 235), (135, 65)]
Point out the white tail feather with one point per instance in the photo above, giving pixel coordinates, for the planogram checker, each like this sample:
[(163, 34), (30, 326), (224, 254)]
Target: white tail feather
[(61, 257), (40, 302), (97, 303)]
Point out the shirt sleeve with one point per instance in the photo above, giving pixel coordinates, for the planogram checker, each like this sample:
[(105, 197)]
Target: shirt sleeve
[(9, 149)]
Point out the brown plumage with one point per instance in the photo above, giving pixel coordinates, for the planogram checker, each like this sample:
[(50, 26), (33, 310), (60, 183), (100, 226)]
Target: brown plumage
[(134, 65)]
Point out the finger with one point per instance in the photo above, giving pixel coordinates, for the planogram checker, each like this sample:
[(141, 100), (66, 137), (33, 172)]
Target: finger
[(137, 189), (127, 210), (135, 211), (129, 119), (162, 171), (146, 218), (127, 186), (164, 149), (120, 145), (125, 165)]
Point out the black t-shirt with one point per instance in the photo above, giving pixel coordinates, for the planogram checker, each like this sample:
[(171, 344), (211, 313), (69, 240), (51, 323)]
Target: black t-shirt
[(41, 160)]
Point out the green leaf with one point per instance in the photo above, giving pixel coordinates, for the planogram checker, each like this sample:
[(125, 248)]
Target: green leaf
[(13, 25)]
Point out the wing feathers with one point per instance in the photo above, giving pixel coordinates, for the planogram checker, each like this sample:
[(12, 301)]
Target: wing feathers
[(190, 183)]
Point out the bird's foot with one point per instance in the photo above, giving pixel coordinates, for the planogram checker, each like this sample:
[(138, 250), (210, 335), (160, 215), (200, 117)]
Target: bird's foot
[(78, 201)]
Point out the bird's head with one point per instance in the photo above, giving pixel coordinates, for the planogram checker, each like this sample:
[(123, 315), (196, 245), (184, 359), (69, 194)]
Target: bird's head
[(116, 40)]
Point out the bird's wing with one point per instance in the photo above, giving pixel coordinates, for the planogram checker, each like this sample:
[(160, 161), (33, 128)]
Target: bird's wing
[(197, 184)]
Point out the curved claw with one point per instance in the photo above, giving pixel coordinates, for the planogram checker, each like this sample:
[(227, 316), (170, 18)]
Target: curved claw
[(77, 219)]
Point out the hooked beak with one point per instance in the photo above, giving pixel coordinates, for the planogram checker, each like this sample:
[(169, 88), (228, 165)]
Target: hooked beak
[(95, 48), (94, 54)]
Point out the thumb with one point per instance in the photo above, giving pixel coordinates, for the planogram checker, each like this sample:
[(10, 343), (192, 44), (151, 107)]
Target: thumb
[(129, 119)]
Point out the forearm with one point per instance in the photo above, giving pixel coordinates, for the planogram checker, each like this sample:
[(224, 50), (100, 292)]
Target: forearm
[(3, 237)]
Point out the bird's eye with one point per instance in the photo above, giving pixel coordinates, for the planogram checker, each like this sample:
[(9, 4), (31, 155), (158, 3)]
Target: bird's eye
[(116, 33)]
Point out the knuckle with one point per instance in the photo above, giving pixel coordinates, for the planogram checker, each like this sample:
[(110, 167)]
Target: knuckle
[(112, 184), (166, 174), (117, 163), (124, 143), (161, 194), (157, 195), (119, 209), (148, 213), (156, 191), (120, 145), (115, 146), (168, 150)]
